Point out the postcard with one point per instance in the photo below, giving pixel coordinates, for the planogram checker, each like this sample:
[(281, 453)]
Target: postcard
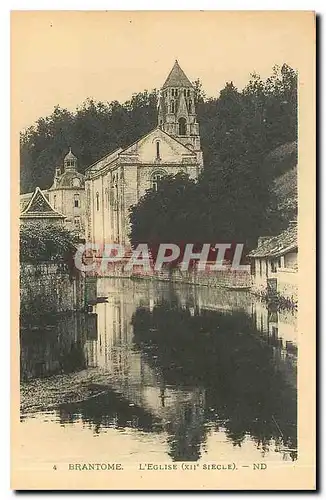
[(163, 250)]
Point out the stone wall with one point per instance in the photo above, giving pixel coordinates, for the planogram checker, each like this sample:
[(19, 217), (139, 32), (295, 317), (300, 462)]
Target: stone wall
[(50, 287), (226, 278)]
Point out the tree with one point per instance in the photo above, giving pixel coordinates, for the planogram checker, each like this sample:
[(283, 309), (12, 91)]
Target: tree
[(151, 219), (45, 243)]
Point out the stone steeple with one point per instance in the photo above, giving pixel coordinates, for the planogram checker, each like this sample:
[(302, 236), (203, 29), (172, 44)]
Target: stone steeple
[(177, 78), (176, 109)]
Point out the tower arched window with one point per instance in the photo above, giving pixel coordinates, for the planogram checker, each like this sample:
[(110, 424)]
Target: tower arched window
[(156, 178), (190, 106), (70, 163), (97, 201), (182, 126), (172, 107)]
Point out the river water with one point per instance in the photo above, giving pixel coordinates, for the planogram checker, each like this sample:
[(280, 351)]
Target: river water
[(160, 372)]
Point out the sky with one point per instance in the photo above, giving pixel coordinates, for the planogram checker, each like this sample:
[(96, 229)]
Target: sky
[(64, 57)]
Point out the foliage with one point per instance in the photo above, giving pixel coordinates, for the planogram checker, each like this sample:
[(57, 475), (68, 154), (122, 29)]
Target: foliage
[(92, 131), (173, 200), (45, 243), (279, 302)]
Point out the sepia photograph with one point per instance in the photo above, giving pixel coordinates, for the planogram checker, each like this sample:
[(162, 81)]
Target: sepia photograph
[(163, 333)]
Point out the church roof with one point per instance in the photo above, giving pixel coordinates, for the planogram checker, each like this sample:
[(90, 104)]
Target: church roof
[(39, 208), (110, 158), (177, 78), (70, 156), (158, 128)]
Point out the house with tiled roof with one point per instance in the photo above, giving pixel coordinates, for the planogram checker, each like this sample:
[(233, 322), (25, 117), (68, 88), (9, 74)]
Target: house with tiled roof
[(39, 211), (274, 263), (66, 195), (25, 198)]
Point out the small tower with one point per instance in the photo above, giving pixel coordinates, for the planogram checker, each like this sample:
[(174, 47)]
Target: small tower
[(67, 194), (70, 162), (176, 111)]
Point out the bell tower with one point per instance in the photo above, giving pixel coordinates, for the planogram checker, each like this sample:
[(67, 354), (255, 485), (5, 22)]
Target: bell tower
[(70, 162), (176, 110)]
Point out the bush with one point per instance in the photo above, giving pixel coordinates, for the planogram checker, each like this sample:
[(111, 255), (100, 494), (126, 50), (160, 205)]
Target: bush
[(39, 243)]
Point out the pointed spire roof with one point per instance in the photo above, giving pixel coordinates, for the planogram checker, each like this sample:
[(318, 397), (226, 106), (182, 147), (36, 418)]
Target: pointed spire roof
[(177, 78), (39, 207), (70, 156)]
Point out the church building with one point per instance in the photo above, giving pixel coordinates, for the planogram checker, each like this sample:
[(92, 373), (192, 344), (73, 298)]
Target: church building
[(67, 194), (118, 180)]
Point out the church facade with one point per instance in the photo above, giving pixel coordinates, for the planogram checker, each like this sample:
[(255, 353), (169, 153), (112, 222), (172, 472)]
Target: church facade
[(117, 181)]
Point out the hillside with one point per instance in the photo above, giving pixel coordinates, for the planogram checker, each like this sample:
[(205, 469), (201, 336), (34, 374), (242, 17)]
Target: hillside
[(282, 163)]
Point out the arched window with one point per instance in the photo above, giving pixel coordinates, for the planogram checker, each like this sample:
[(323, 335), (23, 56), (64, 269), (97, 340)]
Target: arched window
[(182, 126), (97, 201), (77, 222), (76, 200), (55, 201), (190, 106), (156, 178), (158, 150), (172, 107), (76, 182)]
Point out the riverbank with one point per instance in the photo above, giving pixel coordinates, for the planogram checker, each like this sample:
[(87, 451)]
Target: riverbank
[(42, 394), (227, 277)]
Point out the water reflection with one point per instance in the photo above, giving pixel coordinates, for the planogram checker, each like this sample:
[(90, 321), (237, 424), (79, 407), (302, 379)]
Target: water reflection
[(180, 361), (56, 344)]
